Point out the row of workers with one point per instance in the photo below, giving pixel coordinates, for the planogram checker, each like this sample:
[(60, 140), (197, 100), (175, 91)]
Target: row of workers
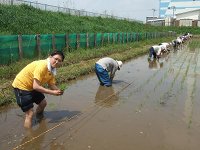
[(157, 50)]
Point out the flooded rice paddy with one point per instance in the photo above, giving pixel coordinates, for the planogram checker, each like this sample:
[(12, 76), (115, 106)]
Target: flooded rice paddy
[(152, 106)]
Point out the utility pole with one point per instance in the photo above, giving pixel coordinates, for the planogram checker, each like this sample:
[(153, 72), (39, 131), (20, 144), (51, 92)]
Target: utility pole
[(174, 8), (173, 14), (153, 14)]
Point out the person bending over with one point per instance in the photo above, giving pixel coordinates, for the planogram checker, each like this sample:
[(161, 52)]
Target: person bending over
[(105, 69), (29, 85)]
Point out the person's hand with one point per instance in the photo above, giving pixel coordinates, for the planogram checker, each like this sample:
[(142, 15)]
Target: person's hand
[(57, 92)]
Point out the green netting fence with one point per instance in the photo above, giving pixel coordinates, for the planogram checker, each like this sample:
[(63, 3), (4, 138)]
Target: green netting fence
[(16, 47)]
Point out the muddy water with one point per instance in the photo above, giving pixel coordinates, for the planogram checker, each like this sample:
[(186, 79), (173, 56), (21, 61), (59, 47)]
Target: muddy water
[(150, 106)]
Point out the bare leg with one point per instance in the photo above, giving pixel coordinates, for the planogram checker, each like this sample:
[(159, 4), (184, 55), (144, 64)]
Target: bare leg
[(28, 118), (41, 106)]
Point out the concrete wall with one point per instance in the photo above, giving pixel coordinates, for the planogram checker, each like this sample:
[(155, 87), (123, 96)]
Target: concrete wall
[(198, 23), (185, 22)]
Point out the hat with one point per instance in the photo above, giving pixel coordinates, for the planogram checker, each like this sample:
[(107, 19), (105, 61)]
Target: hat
[(119, 64)]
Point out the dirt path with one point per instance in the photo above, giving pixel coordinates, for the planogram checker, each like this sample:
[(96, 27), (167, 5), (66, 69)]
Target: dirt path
[(150, 106)]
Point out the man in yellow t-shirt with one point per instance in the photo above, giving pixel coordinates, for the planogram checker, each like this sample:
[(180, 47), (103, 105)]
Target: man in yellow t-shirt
[(29, 85)]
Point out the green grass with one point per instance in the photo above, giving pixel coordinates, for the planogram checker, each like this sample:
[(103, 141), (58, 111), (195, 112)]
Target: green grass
[(24, 19), (29, 20)]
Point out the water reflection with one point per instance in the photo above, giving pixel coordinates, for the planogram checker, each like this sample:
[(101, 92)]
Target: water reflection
[(34, 137), (155, 64), (106, 96), (60, 115), (158, 63)]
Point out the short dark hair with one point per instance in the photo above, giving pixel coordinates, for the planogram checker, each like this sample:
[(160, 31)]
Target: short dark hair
[(56, 52)]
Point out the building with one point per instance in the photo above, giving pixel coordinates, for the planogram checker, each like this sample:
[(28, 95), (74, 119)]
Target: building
[(189, 18), (194, 15), (156, 22), (169, 8)]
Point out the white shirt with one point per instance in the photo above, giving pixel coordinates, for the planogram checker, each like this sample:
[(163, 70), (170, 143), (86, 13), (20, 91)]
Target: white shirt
[(52, 70), (157, 49), (109, 64)]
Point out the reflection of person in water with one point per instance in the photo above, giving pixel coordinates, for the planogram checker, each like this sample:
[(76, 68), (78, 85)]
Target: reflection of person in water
[(35, 143), (154, 64), (161, 64), (106, 96)]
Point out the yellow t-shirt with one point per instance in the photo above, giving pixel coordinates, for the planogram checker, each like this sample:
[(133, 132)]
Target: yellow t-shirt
[(35, 70)]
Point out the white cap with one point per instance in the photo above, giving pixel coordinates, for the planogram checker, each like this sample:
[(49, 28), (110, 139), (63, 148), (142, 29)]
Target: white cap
[(119, 64)]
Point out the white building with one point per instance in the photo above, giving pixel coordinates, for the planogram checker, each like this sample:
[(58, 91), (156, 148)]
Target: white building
[(169, 8), (189, 18), (194, 15)]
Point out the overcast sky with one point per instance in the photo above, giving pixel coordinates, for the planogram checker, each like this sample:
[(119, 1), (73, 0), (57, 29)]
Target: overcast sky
[(134, 9)]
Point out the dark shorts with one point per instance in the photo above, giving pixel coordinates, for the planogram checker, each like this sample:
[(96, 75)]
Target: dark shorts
[(152, 53), (25, 99)]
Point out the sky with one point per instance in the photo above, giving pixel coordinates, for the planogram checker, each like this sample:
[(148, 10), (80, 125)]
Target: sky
[(133, 9)]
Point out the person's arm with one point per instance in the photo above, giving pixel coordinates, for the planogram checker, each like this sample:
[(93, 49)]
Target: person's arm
[(37, 86), (112, 76), (53, 87), (112, 72)]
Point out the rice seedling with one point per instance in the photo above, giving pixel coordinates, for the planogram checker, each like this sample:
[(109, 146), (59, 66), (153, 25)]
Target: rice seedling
[(164, 97), (194, 44), (63, 86)]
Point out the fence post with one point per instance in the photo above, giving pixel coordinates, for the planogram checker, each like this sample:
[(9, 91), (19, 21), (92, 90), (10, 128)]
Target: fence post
[(123, 38), (53, 41), (127, 37), (102, 39), (108, 38), (95, 39), (113, 38), (131, 34), (118, 37), (87, 40), (67, 41), (20, 46), (38, 45), (77, 41)]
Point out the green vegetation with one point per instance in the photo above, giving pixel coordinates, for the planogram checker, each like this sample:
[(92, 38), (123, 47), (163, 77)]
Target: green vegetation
[(24, 19), (194, 44), (29, 20), (63, 86)]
